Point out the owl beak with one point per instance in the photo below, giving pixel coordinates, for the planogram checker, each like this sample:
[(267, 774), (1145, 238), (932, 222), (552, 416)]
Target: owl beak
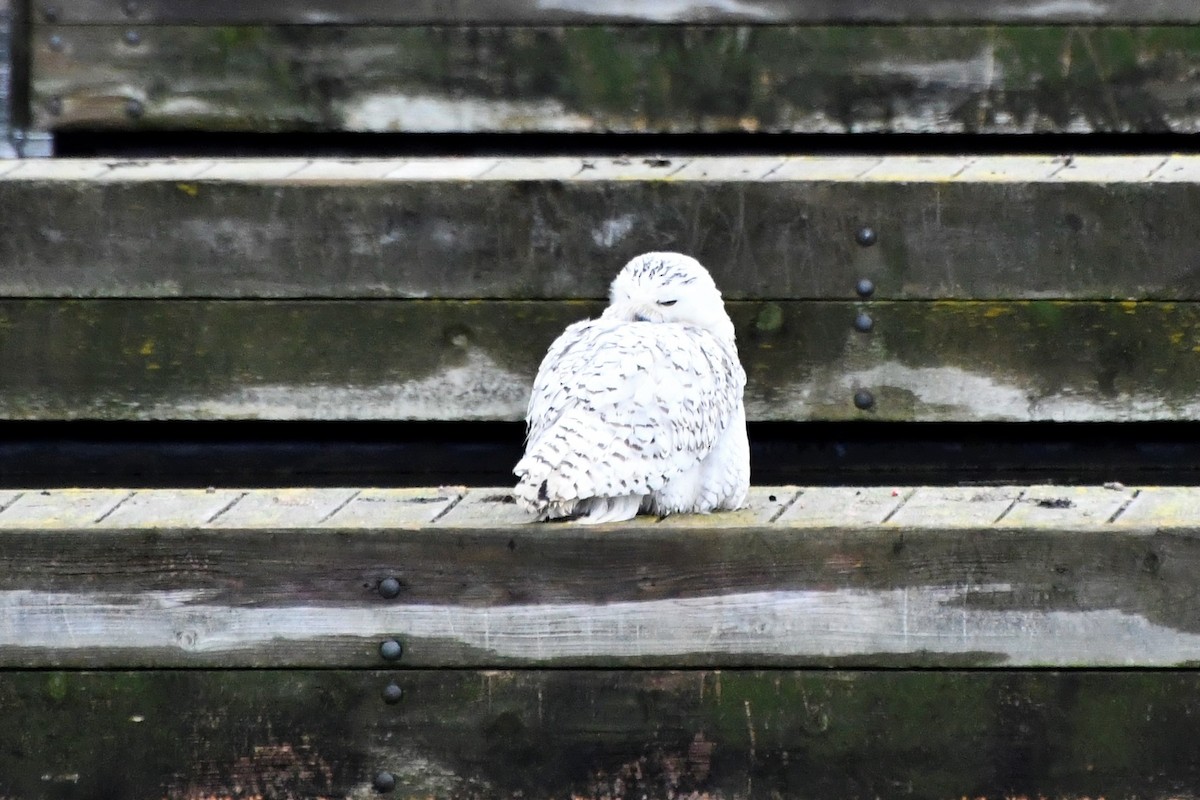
[(640, 318)]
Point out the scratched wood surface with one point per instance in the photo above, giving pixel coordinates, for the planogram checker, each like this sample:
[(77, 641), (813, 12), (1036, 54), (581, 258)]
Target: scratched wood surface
[(639, 78), (191, 734), (449, 360), (1002, 576), (1029, 227), (533, 12)]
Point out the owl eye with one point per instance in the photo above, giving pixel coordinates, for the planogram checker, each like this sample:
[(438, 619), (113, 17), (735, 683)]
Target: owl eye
[(667, 303)]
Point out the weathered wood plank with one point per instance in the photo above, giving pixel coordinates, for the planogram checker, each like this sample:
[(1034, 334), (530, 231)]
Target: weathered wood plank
[(618, 78), (458, 507), (986, 227), (7, 150), (541, 12), (450, 360), (479, 586), (731, 734)]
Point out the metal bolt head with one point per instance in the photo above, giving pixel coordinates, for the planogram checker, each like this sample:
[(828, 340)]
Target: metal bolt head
[(391, 650), (55, 43), (54, 106), (389, 588), (384, 782), (130, 7), (50, 13), (132, 38), (865, 236), (865, 287), (863, 323), (863, 399), (392, 694), (134, 109)]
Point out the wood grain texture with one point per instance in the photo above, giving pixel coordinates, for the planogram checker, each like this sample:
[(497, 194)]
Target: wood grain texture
[(598, 734), (943, 577), (937, 79), (767, 227), (535, 12), (449, 360)]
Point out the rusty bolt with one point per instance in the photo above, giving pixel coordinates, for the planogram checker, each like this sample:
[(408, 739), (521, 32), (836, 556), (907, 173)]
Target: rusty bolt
[(391, 650)]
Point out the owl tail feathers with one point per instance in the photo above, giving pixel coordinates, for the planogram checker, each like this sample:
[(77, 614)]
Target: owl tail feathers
[(534, 494)]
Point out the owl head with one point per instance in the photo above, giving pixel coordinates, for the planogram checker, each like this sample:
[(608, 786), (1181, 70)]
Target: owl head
[(668, 288)]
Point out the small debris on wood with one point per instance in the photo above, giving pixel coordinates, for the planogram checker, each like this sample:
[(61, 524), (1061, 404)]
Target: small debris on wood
[(1055, 502), (1116, 486)]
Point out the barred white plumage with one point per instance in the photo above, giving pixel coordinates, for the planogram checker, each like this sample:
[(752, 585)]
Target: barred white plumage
[(640, 409)]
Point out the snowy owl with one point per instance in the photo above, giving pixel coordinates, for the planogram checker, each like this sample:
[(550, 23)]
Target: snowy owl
[(640, 409)]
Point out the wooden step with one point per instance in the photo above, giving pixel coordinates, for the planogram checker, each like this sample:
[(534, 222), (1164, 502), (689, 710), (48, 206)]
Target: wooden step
[(392, 76), (867, 577), (992, 288)]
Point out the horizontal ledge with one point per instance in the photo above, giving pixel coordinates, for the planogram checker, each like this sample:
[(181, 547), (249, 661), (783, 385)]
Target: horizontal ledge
[(782, 507), (869, 577), (524, 12), (971, 227), (454, 360), (623, 79), (1101, 169)]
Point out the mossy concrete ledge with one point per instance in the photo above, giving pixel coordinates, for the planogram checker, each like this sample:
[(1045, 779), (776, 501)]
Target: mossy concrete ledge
[(1009, 576)]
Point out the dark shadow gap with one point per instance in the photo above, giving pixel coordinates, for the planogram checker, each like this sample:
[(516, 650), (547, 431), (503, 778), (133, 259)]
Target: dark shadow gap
[(201, 454), (167, 143)]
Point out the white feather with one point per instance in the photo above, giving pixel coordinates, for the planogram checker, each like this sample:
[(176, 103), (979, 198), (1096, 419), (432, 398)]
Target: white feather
[(640, 409)]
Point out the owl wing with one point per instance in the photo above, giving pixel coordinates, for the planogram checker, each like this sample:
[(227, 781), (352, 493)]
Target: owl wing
[(619, 408)]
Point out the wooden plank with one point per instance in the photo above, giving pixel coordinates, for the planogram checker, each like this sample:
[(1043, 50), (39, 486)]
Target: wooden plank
[(452, 360), (845, 505), (392, 508), (1069, 506), (542, 12), (63, 508), (760, 587), (955, 507), (7, 57), (285, 507), (598, 734), (961, 227), (641, 78)]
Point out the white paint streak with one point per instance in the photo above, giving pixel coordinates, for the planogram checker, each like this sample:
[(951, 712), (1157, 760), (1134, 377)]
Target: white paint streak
[(665, 10), (785, 623), (611, 232), (1064, 8), (401, 112), (979, 71), (479, 388), (984, 397)]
